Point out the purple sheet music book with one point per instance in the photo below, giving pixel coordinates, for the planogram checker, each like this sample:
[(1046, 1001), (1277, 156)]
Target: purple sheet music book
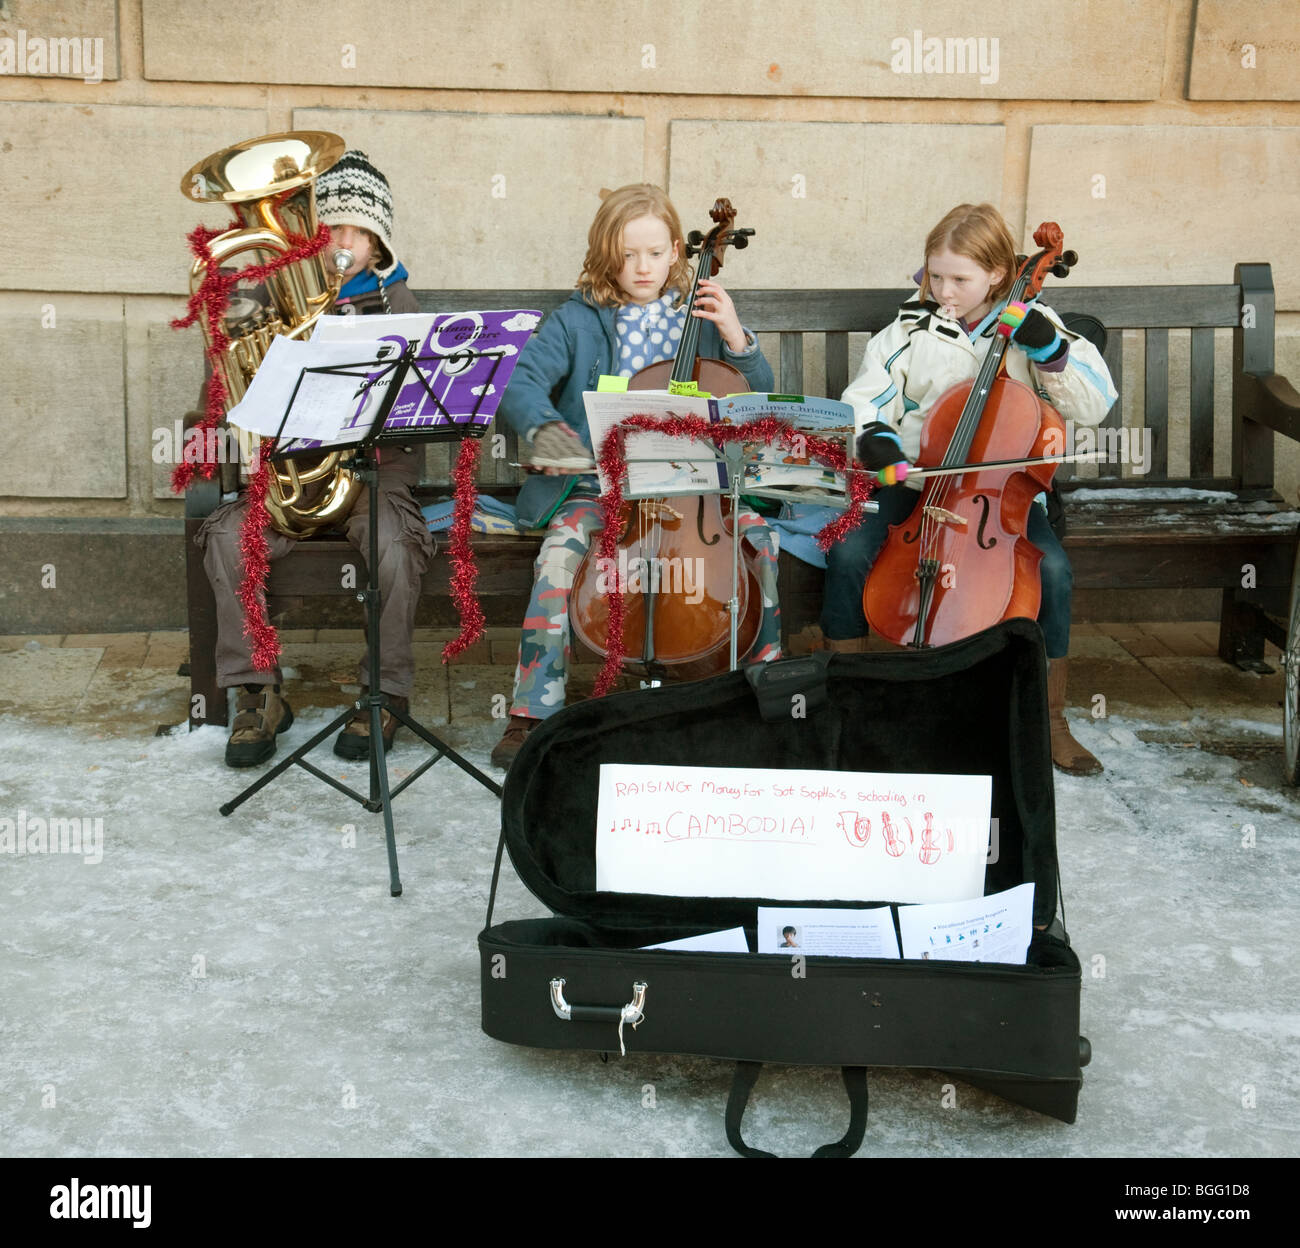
[(465, 357)]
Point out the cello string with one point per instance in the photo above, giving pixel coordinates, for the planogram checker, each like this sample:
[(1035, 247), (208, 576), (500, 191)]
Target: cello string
[(968, 424), (966, 429)]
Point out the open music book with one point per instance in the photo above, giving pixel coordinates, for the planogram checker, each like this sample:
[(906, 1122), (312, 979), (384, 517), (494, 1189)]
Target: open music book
[(692, 466)]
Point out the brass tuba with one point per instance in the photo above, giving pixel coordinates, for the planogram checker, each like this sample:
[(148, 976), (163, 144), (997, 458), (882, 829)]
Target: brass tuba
[(270, 184)]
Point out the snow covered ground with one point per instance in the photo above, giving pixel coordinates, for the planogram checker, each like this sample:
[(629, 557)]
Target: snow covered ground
[(246, 985)]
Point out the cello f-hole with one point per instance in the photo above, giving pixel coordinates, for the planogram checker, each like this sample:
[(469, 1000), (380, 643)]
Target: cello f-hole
[(699, 526), (983, 499)]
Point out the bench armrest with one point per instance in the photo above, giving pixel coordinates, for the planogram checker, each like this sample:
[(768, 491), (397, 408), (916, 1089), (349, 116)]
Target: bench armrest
[(1274, 403)]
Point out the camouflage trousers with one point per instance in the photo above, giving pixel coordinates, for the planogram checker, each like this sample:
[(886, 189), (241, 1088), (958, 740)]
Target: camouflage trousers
[(545, 645)]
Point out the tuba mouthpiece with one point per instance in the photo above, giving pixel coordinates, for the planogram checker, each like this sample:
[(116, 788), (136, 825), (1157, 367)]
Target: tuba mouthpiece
[(343, 260)]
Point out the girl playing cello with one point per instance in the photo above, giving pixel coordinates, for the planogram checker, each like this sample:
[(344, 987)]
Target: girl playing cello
[(940, 338), (626, 313)]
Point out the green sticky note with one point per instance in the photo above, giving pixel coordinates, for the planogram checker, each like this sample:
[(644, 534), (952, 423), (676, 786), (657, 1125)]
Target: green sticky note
[(611, 385), (689, 388)]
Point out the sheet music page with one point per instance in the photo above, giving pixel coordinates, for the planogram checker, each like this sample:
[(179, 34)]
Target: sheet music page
[(693, 467), (323, 404), (788, 466)]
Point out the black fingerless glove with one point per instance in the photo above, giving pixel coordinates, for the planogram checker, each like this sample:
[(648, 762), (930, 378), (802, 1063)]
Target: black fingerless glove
[(1037, 337), (879, 446)]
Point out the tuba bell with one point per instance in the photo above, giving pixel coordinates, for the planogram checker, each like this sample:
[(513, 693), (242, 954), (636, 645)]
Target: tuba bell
[(270, 184)]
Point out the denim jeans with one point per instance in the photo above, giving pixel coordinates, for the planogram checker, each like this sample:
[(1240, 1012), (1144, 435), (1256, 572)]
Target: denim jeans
[(849, 561)]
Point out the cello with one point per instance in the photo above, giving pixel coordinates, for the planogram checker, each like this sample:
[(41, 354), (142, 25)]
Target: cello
[(961, 561), (673, 549)]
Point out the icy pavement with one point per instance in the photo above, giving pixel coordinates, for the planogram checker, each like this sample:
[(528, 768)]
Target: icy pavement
[(246, 985)]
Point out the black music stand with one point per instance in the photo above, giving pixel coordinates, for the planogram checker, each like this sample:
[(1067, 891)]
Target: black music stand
[(366, 465)]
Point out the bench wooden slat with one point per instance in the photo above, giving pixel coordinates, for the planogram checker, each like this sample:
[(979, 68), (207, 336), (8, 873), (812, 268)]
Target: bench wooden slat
[(837, 364), (1114, 357), (790, 378), (1149, 307), (1192, 563), (1201, 381), (1157, 400)]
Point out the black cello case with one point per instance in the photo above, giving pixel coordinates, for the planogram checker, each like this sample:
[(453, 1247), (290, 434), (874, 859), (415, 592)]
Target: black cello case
[(580, 979)]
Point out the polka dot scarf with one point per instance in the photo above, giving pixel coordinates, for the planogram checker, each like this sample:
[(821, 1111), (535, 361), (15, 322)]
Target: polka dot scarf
[(648, 333)]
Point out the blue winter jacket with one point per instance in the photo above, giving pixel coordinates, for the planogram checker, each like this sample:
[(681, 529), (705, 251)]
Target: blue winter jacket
[(576, 344)]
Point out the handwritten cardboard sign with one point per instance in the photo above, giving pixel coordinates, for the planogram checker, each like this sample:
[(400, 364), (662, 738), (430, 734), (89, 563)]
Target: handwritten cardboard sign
[(798, 834)]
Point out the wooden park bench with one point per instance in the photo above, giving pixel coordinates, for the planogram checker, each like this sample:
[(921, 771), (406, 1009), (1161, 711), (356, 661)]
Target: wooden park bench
[(1210, 519)]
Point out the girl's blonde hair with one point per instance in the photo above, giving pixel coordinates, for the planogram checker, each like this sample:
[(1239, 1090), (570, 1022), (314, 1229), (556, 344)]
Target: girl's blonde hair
[(978, 232), (604, 260)]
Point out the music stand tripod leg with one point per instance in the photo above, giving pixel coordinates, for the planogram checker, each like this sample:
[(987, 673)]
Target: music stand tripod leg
[(375, 698)]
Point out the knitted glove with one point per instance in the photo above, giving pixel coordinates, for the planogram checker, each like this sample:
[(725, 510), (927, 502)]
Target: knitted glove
[(1033, 333), (879, 446), (556, 446)]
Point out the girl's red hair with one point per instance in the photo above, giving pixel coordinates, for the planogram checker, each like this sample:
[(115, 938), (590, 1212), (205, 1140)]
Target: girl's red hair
[(978, 232), (604, 260)]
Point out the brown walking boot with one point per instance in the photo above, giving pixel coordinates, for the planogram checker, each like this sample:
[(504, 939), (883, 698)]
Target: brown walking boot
[(517, 728), (261, 714), (1067, 753), (354, 741)]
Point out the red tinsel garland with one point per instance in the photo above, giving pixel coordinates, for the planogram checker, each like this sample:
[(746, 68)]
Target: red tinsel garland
[(768, 429), (263, 639), (464, 571), (211, 301)]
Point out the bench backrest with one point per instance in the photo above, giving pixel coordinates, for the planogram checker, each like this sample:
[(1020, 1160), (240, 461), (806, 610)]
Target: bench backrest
[(815, 356)]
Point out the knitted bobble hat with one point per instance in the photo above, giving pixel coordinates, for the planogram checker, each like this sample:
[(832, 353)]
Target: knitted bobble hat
[(354, 192)]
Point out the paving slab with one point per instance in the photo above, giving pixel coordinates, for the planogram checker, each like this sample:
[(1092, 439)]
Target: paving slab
[(1128, 687), (25, 641), (120, 649), (169, 649), (1186, 640), (1095, 646), (480, 692), (336, 635), (1136, 642), (1207, 682), (47, 681), (124, 700)]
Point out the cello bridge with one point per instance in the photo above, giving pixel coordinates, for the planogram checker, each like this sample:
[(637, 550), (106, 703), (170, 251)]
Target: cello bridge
[(657, 509), (943, 515)]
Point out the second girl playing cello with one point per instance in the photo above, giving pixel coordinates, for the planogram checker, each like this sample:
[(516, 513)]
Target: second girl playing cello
[(939, 339), (626, 313)]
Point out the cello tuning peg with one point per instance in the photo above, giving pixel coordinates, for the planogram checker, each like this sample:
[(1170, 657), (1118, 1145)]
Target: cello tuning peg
[(740, 242), (1060, 270), (1070, 258), (695, 238)]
